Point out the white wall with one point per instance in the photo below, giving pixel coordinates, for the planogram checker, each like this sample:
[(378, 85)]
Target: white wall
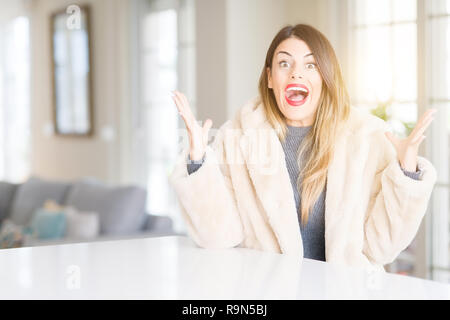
[(211, 60), (251, 26), (232, 38), (56, 157), (11, 9), (328, 16)]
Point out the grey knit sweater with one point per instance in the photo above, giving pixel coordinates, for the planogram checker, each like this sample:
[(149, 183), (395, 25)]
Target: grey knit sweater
[(313, 233)]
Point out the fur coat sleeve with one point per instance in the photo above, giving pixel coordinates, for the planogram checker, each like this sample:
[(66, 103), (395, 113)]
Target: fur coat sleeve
[(398, 203), (207, 198)]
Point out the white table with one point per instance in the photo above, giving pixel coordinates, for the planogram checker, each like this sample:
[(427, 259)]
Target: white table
[(174, 268)]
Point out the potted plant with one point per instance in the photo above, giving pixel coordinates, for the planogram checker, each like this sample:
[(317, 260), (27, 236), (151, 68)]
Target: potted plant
[(383, 110)]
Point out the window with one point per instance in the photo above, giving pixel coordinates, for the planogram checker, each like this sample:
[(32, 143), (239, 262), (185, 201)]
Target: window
[(438, 96), (384, 70), (383, 38), (401, 52), (14, 100), (166, 60)]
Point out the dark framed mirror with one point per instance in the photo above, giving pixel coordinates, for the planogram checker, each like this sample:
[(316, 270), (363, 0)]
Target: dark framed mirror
[(72, 71)]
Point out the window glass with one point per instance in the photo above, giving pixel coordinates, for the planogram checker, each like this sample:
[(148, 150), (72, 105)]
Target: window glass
[(15, 100), (167, 58)]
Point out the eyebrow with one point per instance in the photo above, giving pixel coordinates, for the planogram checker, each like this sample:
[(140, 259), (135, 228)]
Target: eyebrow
[(306, 55)]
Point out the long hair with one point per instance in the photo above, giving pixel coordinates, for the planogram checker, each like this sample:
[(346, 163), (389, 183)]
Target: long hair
[(316, 151)]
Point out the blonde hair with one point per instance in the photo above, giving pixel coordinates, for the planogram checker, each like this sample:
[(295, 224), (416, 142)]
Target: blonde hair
[(332, 111)]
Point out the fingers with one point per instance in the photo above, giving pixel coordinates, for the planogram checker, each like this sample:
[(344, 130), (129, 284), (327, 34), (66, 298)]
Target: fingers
[(207, 125), (205, 129), (179, 103), (185, 111), (422, 121), (418, 131), (185, 105), (183, 108), (421, 130), (418, 140), (429, 113), (183, 98)]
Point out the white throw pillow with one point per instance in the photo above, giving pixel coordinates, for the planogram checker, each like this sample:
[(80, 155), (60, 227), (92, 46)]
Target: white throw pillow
[(81, 225)]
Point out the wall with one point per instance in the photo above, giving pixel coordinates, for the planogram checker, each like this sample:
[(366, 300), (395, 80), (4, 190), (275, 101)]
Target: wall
[(56, 157), (232, 38), (11, 9), (251, 26), (211, 61)]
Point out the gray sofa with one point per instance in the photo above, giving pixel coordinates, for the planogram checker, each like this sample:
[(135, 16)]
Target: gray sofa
[(121, 209)]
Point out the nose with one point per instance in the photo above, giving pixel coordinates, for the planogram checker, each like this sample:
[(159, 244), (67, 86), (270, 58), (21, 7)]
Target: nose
[(296, 75)]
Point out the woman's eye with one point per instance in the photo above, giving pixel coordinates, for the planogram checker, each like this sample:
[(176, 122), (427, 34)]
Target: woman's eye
[(311, 66), (284, 64)]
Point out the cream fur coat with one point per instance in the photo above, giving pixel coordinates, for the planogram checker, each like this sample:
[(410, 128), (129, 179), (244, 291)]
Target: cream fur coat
[(242, 195)]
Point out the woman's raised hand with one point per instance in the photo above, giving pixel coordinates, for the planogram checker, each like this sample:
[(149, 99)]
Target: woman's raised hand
[(198, 136), (407, 149)]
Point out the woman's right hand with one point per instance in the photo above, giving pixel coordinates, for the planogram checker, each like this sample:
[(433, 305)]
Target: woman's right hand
[(198, 136)]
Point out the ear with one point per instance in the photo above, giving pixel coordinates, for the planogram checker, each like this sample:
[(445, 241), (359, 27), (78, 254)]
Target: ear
[(269, 78)]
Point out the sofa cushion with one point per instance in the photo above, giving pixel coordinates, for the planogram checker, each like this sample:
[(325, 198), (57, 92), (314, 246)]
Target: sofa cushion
[(32, 195), (81, 225), (121, 209), (7, 191), (160, 224), (13, 236), (48, 224)]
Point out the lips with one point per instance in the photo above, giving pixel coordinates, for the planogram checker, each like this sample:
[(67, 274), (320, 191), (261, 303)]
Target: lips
[(296, 94)]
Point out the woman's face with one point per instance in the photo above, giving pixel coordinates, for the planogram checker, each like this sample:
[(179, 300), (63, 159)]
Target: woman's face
[(296, 82)]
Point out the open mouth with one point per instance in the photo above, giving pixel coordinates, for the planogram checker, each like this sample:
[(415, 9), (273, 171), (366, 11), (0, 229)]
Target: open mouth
[(296, 94)]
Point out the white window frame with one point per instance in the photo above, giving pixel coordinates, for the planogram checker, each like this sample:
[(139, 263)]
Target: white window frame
[(426, 250), (139, 136)]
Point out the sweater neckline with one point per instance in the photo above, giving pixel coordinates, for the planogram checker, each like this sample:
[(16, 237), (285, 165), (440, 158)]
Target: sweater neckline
[(298, 131)]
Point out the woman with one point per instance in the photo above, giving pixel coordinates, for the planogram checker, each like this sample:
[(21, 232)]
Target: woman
[(331, 182)]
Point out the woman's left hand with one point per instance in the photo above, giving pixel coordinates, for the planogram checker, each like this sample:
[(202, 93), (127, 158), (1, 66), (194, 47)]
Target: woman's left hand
[(408, 149)]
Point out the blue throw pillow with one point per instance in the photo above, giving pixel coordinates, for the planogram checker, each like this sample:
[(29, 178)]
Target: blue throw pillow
[(49, 224)]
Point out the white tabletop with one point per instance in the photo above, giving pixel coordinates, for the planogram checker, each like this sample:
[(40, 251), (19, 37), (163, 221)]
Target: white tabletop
[(174, 268)]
